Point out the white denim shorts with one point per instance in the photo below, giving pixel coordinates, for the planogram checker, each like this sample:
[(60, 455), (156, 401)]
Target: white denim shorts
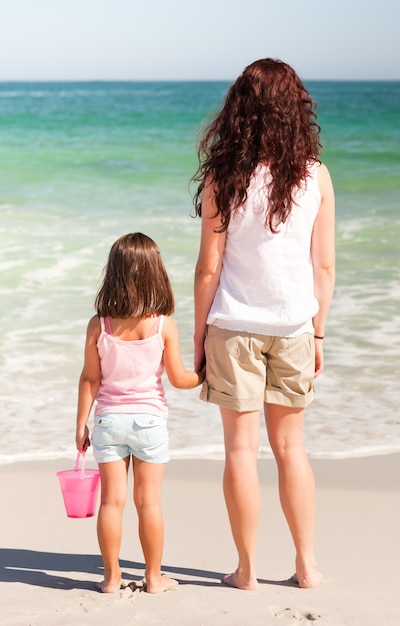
[(118, 435)]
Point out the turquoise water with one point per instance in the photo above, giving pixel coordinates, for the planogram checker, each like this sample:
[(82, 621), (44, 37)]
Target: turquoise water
[(83, 163)]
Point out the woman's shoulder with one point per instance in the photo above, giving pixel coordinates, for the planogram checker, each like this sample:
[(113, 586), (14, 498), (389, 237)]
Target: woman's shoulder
[(321, 167), (324, 178)]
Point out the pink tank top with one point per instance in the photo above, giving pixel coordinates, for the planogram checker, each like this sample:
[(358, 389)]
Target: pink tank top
[(131, 373)]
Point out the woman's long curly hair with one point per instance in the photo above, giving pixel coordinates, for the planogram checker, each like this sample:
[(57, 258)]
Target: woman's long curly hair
[(268, 117)]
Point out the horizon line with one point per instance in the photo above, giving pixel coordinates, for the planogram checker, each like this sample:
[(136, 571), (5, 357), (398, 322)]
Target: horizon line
[(175, 80)]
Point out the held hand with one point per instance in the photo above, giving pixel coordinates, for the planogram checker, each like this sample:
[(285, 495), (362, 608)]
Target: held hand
[(319, 357), (199, 357), (202, 374), (82, 440)]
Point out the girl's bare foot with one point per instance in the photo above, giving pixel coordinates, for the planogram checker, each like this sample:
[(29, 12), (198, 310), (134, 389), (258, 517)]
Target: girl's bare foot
[(108, 586), (240, 582), (159, 585)]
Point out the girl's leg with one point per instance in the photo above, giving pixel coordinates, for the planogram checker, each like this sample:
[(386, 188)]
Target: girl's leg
[(148, 479), (296, 485), (242, 491), (109, 522)]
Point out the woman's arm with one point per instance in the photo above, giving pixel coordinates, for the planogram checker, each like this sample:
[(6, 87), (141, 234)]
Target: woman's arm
[(208, 270), (323, 259), (88, 383), (178, 376)]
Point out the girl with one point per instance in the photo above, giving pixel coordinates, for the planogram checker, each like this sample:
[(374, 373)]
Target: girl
[(263, 286), (128, 344)]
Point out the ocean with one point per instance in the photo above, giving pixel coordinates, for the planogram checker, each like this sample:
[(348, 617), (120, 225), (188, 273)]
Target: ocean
[(83, 163)]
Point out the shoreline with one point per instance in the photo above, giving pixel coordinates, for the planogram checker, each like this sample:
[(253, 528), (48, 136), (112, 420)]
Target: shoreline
[(212, 456), (49, 563)]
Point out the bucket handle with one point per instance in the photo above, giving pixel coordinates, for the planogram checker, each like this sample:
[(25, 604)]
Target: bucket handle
[(80, 457)]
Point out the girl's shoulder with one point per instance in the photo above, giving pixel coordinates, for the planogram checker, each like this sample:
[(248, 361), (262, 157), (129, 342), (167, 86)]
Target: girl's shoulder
[(94, 326), (169, 327), (168, 322)]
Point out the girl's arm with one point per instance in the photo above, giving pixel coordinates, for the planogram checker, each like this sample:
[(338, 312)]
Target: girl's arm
[(88, 383), (323, 259), (208, 270), (178, 376)]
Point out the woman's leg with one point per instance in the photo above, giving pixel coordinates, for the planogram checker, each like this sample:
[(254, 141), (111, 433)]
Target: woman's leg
[(296, 485), (242, 491), (148, 479), (114, 482)]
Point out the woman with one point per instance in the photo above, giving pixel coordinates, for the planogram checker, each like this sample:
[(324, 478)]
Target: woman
[(264, 282)]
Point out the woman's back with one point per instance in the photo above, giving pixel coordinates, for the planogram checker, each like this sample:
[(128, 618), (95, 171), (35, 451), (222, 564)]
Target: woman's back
[(266, 282)]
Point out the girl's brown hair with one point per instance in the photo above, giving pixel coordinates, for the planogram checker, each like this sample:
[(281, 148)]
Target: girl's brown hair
[(135, 282), (268, 117)]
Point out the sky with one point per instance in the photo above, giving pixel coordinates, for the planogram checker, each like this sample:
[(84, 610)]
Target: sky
[(203, 40)]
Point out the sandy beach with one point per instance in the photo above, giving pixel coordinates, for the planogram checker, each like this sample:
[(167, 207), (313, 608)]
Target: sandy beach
[(50, 563)]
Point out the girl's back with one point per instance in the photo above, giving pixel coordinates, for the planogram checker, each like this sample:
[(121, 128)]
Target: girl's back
[(131, 363), (133, 328)]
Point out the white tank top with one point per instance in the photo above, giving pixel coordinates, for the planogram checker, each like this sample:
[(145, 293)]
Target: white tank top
[(266, 284)]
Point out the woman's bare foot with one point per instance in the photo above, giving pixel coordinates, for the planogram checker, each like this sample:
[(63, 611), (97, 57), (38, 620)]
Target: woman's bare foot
[(240, 582), (307, 575), (159, 584), (308, 580), (108, 586)]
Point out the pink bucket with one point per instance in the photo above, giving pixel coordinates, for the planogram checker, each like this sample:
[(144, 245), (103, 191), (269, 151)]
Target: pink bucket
[(79, 488)]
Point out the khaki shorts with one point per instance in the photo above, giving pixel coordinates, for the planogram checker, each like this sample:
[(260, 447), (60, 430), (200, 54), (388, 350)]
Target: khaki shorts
[(244, 370)]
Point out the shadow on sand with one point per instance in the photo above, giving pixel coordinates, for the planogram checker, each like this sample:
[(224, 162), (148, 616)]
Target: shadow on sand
[(55, 570)]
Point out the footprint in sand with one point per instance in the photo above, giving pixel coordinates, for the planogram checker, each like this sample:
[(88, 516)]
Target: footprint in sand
[(300, 617)]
